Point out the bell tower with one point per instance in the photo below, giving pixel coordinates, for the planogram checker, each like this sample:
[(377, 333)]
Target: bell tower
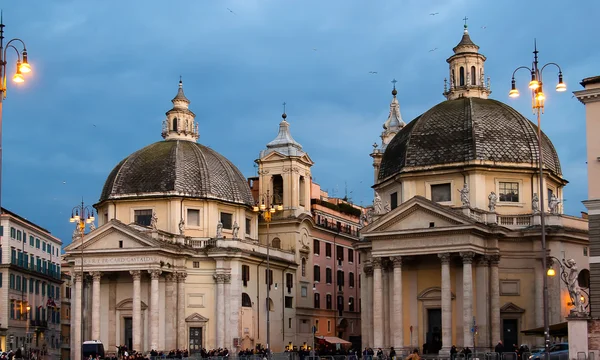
[(467, 76), (180, 123), (284, 170)]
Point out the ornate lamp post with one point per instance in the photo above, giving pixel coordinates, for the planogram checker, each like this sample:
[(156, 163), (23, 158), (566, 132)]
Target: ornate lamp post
[(569, 275), (22, 67), (82, 215), (537, 104), (266, 208)]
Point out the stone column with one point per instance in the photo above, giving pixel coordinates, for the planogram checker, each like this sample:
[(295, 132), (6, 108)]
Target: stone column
[(154, 275), (364, 325), (227, 331), (368, 302), (170, 311), (181, 333), (385, 295), (398, 313), (446, 304), (467, 258), (137, 310), (220, 313), (96, 275), (495, 298), (377, 304), (76, 351)]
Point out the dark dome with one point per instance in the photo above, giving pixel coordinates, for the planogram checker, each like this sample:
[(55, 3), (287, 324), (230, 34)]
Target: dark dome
[(467, 129), (177, 168)]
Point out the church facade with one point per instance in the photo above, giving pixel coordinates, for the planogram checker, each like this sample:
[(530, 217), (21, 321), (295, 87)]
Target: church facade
[(181, 259), (452, 253)]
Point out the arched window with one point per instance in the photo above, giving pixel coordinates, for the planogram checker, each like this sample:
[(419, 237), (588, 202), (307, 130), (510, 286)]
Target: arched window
[(303, 266), (462, 76), (473, 76), (174, 124), (276, 243), (277, 189), (246, 302), (317, 301), (301, 187), (453, 79)]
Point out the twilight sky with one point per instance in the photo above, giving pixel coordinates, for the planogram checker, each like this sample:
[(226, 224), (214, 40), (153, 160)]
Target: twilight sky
[(105, 72)]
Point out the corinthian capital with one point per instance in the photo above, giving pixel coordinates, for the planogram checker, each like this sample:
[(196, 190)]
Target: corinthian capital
[(493, 259), (154, 273), (397, 261), (181, 276), (136, 274), (170, 277), (222, 278), (96, 275), (467, 257), (377, 263), (444, 257)]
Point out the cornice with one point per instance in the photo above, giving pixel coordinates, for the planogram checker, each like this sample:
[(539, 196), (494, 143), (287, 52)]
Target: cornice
[(588, 95)]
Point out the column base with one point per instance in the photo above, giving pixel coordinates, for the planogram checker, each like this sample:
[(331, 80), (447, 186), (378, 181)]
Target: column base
[(445, 351)]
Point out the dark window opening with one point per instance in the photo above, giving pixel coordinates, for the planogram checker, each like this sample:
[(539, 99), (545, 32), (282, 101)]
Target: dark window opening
[(246, 302), (394, 200), (462, 76), (316, 247), (473, 76), (289, 302), (328, 304), (175, 124), (142, 217), (227, 220), (317, 273), (509, 191), (317, 304), (441, 192), (277, 189)]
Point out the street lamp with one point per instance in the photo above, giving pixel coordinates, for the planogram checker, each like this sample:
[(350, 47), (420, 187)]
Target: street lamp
[(82, 215), (537, 104), (266, 207), (22, 67)]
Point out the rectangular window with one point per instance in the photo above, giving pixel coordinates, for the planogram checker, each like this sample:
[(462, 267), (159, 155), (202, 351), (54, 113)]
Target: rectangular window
[(31, 241), (303, 290), (550, 192), (13, 232), (248, 226), (340, 278), (317, 273), (316, 247), (351, 304), (289, 282), (43, 289), (18, 235), (1, 280), (11, 281), (268, 277), (193, 217), (350, 256), (290, 323), (340, 253), (328, 276), (13, 256), (245, 274), (227, 220), (328, 303), (394, 200), (328, 250), (37, 243), (142, 217), (37, 286), (196, 264), (441, 193), (351, 279), (18, 283), (44, 247), (317, 304), (289, 302), (509, 191)]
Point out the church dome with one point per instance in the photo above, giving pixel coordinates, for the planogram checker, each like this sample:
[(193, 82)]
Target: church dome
[(177, 168), (463, 130)]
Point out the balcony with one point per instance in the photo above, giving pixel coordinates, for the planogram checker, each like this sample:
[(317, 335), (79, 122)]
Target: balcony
[(39, 323), (522, 221)]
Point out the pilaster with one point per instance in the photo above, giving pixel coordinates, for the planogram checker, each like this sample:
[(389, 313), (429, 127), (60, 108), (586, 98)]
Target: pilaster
[(467, 258)]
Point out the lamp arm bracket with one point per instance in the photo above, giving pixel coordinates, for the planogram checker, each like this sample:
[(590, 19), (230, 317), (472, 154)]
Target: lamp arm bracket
[(519, 68), (19, 40), (550, 63), (16, 50)]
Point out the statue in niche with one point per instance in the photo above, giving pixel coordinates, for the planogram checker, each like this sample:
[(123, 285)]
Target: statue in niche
[(154, 221), (493, 198), (219, 230), (181, 227), (377, 206), (535, 203), (572, 279), (553, 204), (236, 229), (464, 195)]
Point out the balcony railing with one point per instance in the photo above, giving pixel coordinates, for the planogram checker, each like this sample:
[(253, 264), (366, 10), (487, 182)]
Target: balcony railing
[(39, 323)]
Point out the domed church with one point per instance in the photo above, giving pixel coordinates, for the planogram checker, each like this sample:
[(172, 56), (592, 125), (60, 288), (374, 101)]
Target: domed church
[(452, 249), (170, 264)]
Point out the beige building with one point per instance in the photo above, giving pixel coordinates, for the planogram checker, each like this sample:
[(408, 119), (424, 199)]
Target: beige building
[(452, 255), (30, 281), (590, 96), (65, 317)]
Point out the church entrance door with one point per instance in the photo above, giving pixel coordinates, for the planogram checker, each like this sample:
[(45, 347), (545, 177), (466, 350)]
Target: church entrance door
[(510, 333), (128, 333), (434, 331), (195, 339)]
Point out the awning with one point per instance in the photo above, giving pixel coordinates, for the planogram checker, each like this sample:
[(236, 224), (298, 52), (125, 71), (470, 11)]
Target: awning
[(334, 340), (557, 330)]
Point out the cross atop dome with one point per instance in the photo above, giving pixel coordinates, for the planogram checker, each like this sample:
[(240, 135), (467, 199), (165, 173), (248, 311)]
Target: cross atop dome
[(394, 122), (467, 76), (180, 123)]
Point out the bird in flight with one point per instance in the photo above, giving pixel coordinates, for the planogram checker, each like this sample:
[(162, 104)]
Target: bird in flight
[(433, 14), (373, 72), (432, 50), (231, 11), (314, 49), (484, 27)]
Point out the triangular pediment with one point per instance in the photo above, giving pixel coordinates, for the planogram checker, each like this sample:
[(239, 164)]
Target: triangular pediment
[(510, 307), (417, 213), (113, 235), (195, 317), (274, 156)]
